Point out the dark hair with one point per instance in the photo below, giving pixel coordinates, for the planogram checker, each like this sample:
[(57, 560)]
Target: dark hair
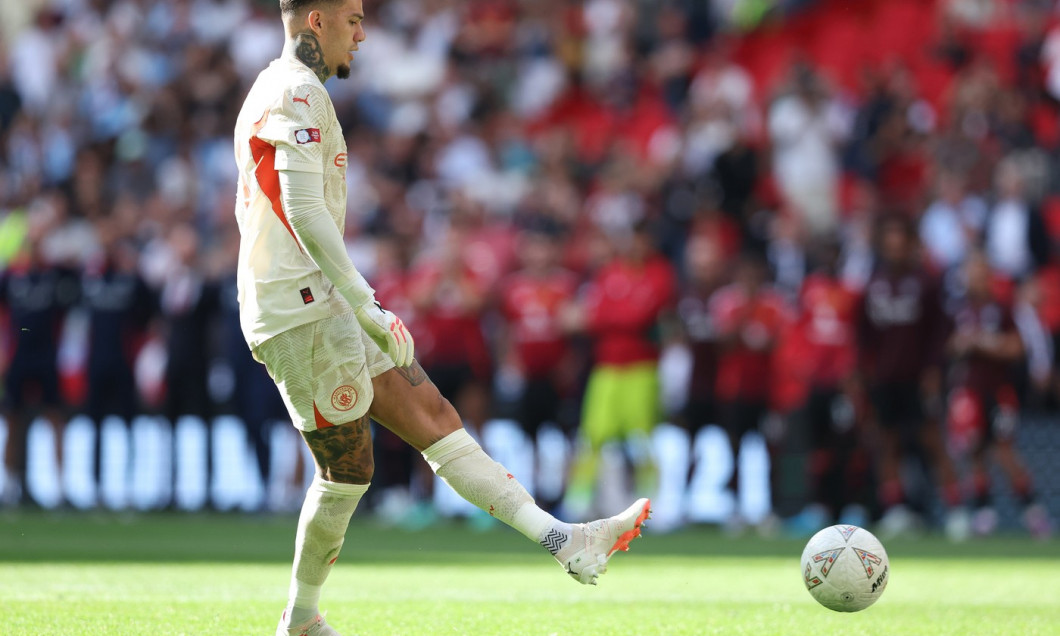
[(893, 221), (543, 226), (752, 257), (293, 7)]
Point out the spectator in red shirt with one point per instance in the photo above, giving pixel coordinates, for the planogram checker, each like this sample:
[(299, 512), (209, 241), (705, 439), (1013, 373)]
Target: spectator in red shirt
[(448, 298), (535, 351), (748, 317), (402, 480), (838, 476), (706, 273), (983, 351), (621, 313)]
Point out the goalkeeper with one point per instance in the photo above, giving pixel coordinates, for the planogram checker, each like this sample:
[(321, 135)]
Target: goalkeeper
[(337, 357)]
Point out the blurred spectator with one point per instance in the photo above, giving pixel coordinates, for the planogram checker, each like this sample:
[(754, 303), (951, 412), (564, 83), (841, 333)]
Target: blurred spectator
[(953, 223), (10, 97), (888, 142), (748, 318), (806, 126), (35, 59), (694, 408), (188, 303), (536, 354), (705, 274), (984, 347), (36, 295), (1050, 58), (1016, 241), (255, 399), (402, 479), (448, 295), (621, 313), (839, 472), (119, 305), (900, 333), (721, 82)]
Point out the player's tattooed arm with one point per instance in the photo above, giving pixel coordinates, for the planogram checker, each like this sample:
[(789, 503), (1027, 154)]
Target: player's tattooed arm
[(414, 373), (343, 453), (307, 49)]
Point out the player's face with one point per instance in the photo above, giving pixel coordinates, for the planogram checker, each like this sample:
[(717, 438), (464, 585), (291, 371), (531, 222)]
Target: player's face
[(342, 33)]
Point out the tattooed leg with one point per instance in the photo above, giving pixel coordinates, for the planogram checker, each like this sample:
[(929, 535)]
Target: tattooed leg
[(343, 453), (344, 457)]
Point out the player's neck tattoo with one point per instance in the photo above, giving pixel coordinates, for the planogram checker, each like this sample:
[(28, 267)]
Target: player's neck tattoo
[(307, 49)]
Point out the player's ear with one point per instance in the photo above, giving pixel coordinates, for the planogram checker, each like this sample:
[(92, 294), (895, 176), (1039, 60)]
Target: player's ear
[(315, 21)]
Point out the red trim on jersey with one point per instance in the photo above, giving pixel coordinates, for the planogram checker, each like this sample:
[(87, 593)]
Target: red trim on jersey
[(321, 422), (265, 172), (269, 179)]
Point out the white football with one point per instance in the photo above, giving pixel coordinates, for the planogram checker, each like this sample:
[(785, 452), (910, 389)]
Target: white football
[(845, 568)]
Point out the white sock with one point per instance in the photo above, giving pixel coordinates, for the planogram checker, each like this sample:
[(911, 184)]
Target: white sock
[(326, 513), (461, 463)]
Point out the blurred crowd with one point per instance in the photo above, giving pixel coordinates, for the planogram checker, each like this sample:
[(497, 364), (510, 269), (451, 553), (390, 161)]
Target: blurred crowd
[(833, 224)]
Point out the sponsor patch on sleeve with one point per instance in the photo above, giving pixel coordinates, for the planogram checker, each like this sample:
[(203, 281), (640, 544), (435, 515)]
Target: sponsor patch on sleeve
[(307, 136)]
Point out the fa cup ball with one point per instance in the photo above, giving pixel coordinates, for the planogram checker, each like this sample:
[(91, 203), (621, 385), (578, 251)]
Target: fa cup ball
[(845, 568)]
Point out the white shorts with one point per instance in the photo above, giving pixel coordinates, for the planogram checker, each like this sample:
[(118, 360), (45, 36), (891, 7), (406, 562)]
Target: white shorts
[(324, 370)]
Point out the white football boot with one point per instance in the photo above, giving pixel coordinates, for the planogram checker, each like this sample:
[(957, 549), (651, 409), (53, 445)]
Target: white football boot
[(316, 627), (585, 555)]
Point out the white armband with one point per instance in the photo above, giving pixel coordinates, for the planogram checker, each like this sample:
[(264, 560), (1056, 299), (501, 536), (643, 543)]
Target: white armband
[(302, 195)]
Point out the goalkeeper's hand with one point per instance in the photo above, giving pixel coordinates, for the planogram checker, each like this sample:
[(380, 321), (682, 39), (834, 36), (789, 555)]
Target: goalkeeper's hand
[(387, 331)]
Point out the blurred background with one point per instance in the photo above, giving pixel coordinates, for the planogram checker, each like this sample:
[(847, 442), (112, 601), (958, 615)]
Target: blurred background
[(774, 262)]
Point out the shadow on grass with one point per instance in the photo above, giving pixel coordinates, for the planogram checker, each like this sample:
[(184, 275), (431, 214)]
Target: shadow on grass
[(176, 538)]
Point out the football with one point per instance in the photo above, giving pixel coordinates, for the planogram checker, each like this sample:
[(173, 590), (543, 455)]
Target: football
[(845, 568)]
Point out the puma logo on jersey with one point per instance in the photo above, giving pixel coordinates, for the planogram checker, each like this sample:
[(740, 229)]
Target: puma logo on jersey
[(304, 100)]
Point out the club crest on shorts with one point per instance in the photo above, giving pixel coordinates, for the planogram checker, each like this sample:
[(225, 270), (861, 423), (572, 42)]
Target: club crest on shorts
[(344, 398)]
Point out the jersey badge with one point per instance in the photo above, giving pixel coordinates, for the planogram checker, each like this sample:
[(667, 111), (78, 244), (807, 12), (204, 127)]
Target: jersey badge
[(307, 295), (307, 136)]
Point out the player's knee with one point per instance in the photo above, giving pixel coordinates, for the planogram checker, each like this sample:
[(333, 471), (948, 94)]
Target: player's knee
[(440, 418), (440, 408), (444, 416)]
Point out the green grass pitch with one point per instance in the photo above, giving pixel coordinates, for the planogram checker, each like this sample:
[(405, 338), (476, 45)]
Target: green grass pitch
[(74, 575)]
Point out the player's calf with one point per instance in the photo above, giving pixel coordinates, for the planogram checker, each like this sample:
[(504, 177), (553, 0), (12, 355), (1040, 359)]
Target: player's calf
[(582, 549)]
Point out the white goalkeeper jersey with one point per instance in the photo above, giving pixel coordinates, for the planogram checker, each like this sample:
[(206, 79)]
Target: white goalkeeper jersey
[(287, 123)]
